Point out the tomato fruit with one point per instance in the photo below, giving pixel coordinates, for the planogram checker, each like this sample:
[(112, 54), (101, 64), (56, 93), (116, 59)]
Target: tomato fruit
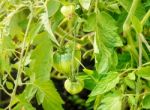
[(74, 87), (63, 61), (68, 11)]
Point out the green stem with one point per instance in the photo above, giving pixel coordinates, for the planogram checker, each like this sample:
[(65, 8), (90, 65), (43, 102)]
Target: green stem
[(145, 64), (5, 90), (145, 18), (73, 75), (145, 42), (138, 78), (20, 65), (145, 55), (130, 14), (62, 22), (140, 50), (96, 7), (94, 79), (29, 43), (132, 48), (60, 32), (137, 92)]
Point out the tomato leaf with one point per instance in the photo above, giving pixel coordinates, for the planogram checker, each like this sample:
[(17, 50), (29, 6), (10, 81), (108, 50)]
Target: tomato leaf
[(89, 24), (129, 83), (106, 39), (114, 8), (6, 43), (52, 7), (24, 106), (107, 31), (9, 85), (131, 100), (41, 57), (40, 97), (106, 84), (25, 96), (111, 102), (33, 32), (85, 4), (144, 72), (52, 100), (47, 25), (102, 61), (146, 102)]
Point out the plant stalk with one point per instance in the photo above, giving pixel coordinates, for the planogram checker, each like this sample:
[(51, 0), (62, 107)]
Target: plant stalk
[(145, 18), (126, 24), (16, 82)]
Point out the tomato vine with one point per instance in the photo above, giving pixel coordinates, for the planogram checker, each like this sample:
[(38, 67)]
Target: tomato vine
[(99, 48)]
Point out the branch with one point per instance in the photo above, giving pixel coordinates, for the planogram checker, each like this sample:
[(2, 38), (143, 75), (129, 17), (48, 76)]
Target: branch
[(130, 14), (145, 18), (145, 42)]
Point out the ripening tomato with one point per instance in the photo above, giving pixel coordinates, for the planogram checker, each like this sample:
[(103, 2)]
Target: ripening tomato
[(64, 62), (74, 87), (68, 11)]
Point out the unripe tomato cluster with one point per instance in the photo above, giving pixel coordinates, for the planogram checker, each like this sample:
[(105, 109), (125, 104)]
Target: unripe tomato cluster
[(64, 62)]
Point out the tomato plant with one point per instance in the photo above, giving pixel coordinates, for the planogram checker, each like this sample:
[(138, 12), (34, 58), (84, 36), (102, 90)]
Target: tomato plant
[(51, 50)]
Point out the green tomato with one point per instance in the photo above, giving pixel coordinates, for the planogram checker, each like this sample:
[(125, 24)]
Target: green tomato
[(74, 87), (63, 61), (68, 11)]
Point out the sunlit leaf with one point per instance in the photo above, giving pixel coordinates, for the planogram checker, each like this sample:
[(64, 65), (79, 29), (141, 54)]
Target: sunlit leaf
[(111, 102), (106, 39), (129, 83), (114, 8), (9, 85), (85, 3), (46, 23), (89, 24), (107, 31), (6, 49), (144, 72), (24, 106), (106, 84), (146, 102), (52, 6), (52, 100), (40, 97), (41, 57)]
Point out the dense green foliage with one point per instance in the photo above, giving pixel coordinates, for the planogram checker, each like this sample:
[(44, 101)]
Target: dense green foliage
[(44, 39)]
